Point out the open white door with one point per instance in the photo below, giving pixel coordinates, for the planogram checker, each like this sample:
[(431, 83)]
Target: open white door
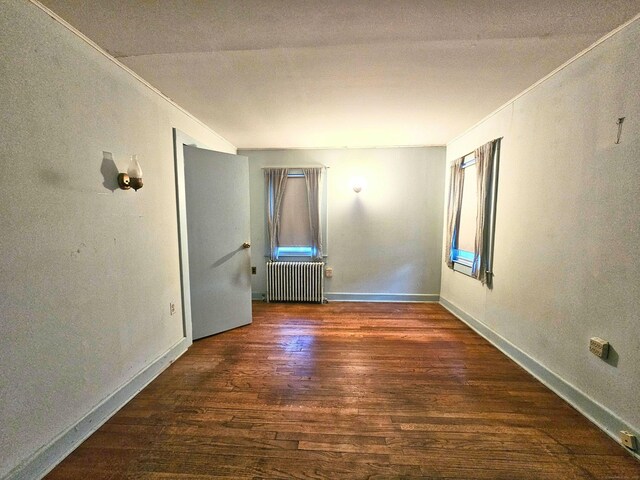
[(216, 197)]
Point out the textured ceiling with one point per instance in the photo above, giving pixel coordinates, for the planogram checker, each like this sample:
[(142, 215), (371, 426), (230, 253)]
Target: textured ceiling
[(266, 73)]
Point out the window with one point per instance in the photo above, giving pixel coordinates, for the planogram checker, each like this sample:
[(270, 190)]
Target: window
[(463, 252), (471, 212), (294, 234), (296, 223)]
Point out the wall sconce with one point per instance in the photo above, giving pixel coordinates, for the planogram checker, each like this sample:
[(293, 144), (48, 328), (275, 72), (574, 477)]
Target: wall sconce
[(133, 177), (358, 183)]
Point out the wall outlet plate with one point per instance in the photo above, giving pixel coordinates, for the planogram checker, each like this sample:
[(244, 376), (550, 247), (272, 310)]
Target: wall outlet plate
[(599, 347), (628, 440), (328, 272), (253, 270)]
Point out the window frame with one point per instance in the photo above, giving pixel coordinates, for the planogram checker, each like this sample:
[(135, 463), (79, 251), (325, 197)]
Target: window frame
[(296, 250), (463, 259)]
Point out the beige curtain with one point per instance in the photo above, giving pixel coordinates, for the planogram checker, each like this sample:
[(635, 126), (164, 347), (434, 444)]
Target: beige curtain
[(276, 179), (456, 184), (484, 163), (312, 177)]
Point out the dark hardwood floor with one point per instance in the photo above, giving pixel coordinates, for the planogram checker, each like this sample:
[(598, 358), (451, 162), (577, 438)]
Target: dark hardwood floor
[(347, 391)]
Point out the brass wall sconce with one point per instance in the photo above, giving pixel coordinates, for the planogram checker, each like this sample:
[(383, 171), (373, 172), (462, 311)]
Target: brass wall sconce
[(133, 177)]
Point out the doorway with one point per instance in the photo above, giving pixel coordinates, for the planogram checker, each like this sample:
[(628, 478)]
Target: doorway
[(213, 228)]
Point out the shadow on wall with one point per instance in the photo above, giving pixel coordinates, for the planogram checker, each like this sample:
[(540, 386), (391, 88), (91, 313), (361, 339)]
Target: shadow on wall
[(612, 358), (109, 171)]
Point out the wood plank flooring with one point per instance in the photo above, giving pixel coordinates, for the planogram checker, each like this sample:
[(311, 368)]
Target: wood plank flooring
[(347, 391)]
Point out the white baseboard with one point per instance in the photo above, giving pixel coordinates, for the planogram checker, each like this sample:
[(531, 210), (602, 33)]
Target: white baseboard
[(372, 297), (601, 416), (382, 297), (50, 455)]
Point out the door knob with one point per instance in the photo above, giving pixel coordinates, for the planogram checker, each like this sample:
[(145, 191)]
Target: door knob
[(246, 245)]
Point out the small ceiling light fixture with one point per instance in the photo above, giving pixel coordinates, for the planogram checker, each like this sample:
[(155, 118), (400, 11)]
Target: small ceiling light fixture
[(358, 183), (133, 177)]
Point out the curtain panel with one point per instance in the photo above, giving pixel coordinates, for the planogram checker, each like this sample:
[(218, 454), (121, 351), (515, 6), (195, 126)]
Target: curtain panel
[(276, 180), (456, 185), (312, 177), (484, 163)]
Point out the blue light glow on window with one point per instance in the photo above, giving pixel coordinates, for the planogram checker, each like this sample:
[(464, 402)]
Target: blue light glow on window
[(295, 251), (462, 255)]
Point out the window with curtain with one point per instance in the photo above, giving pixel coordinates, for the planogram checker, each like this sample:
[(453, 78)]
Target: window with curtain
[(463, 252), (293, 212), (471, 212), (294, 236)]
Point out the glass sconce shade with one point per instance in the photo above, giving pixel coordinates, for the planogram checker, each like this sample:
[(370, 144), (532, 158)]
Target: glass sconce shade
[(134, 170), (133, 177)]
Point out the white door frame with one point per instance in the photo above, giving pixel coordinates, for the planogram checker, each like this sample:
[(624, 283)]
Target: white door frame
[(180, 139)]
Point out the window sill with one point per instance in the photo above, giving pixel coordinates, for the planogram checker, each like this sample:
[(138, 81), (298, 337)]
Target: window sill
[(295, 258), (462, 267)]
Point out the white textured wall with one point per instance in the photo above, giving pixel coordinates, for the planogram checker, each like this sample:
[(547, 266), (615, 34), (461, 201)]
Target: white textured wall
[(568, 224), (86, 273), (385, 239)]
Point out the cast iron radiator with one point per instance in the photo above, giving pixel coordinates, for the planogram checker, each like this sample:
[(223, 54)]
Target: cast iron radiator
[(295, 282)]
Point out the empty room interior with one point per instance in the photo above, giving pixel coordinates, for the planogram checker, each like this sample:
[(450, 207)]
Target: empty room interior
[(338, 239)]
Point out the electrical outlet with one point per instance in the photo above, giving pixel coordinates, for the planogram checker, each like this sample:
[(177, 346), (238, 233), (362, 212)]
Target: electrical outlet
[(599, 347), (628, 440), (253, 270), (328, 272), (172, 308)]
